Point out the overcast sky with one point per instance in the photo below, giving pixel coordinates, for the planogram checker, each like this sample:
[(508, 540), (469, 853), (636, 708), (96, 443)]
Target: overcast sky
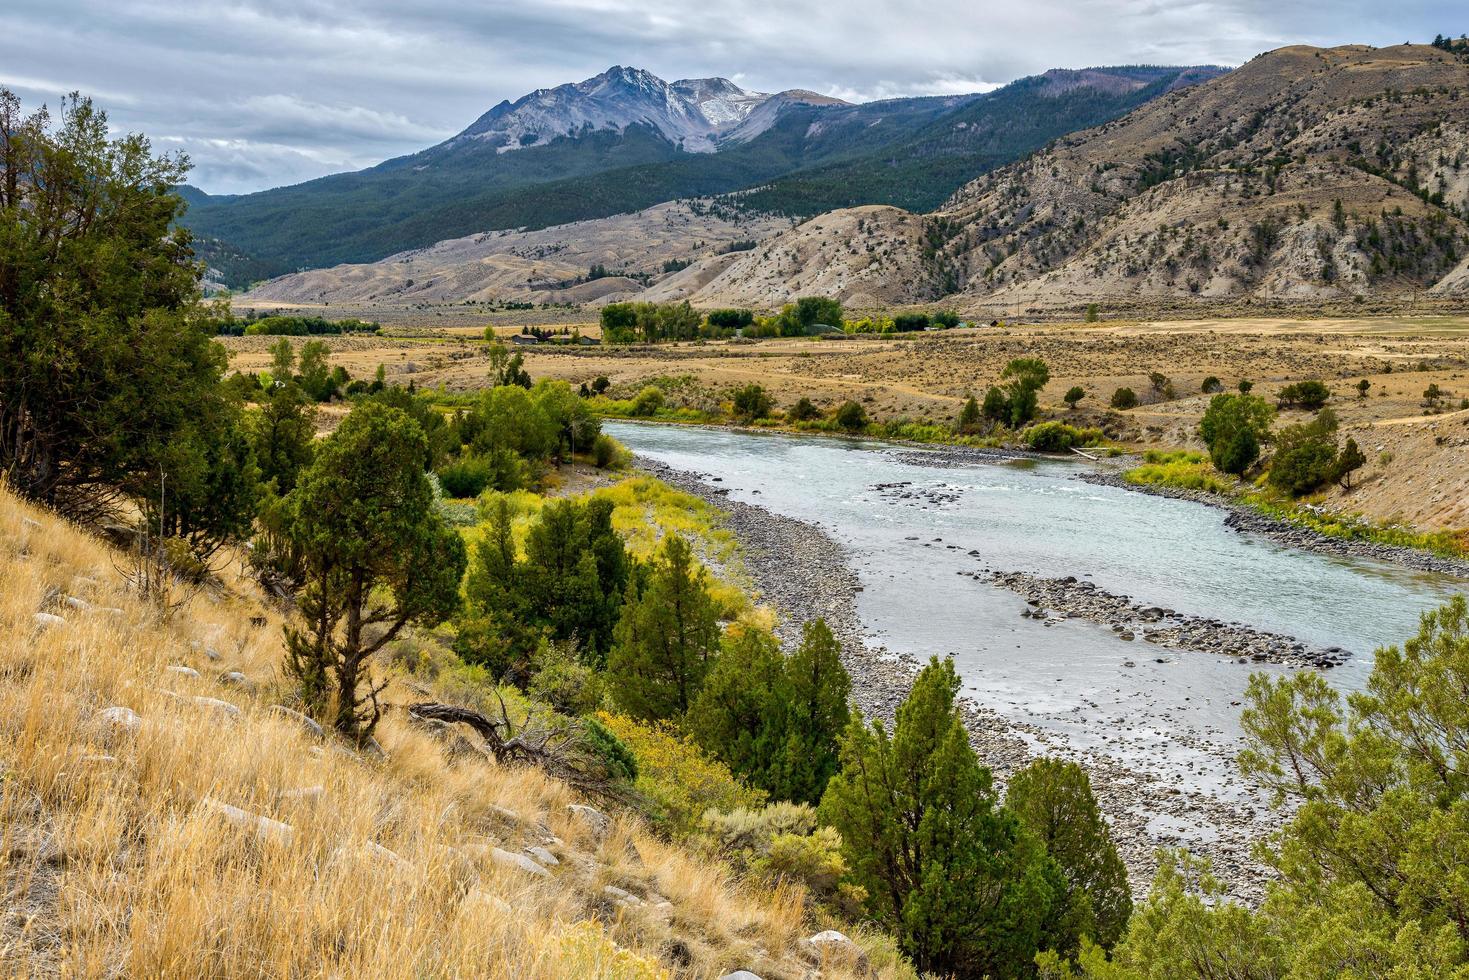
[(267, 92)]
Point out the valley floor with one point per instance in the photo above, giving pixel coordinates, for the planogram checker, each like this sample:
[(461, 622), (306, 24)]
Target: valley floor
[(1418, 456)]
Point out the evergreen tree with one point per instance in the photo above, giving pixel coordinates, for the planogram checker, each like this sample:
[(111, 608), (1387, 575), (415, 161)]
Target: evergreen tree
[(109, 374), (815, 693), (1053, 800), (377, 556), (739, 716), (576, 568), (775, 720), (667, 637), (965, 888), (282, 433), (969, 417)]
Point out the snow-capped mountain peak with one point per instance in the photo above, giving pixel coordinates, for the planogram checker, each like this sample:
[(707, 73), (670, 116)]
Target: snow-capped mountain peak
[(692, 113)]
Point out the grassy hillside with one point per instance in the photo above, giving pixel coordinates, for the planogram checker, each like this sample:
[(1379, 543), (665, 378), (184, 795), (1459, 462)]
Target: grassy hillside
[(161, 819)]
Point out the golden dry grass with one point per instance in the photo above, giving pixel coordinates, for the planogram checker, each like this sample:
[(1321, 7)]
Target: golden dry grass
[(117, 858)]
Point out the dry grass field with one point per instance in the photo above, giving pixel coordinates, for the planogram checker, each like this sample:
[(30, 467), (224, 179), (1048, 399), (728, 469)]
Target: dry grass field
[(1418, 469), (158, 818)]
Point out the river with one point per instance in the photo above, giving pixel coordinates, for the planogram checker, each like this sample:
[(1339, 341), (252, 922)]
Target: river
[(1077, 684)]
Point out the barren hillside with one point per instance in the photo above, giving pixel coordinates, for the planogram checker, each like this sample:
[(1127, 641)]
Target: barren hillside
[(538, 266), (1227, 190)]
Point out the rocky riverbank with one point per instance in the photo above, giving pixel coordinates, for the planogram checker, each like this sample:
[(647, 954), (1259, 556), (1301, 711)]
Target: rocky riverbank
[(1245, 519), (803, 573), (1051, 598)]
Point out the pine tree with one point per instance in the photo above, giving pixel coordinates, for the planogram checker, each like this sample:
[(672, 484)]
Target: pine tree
[(739, 717), (1053, 800), (969, 417), (667, 638), (965, 888)]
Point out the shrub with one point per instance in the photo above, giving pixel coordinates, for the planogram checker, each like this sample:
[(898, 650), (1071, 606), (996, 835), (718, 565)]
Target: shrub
[(1057, 437), (751, 402), (947, 319), (1233, 427), (1211, 385), (679, 780), (1124, 398), (467, 476), (803, 411), (1305, 394), (649, 400), (780, 841), (851, 416), (910, 322), (1073, 395), (602, 743), (607, 452), (1305, 456)]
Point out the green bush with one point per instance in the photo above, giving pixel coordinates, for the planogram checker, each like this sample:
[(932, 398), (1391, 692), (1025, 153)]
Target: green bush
[(599, 741), (803, 411), (851, 416), (467, 476), (1233, 427), (1057, 437), (751, 402), (1124, 398), (649, 400), (606, 451), (1304, 394), (1305, 455)]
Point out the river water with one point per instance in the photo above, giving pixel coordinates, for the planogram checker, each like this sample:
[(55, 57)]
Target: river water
[(1075, 682)]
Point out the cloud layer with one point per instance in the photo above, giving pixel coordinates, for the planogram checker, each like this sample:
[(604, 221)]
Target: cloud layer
[(267, 92)]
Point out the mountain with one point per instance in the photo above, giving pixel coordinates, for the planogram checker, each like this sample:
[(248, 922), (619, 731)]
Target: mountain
[(692, 113), (1305, 175), (625, 141)]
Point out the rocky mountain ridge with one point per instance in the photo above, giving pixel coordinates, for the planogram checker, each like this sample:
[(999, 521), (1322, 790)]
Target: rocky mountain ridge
[(694, 114)]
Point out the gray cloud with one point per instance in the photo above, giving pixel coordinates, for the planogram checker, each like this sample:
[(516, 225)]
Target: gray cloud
[(268, 92)]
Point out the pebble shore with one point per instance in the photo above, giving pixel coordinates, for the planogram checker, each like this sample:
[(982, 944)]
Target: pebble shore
[(803, 573)]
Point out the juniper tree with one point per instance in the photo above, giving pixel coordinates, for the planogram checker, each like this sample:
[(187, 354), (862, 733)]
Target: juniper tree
[(1053, 800), (376, 556), (774, 720), (667, 637), (965, 888)]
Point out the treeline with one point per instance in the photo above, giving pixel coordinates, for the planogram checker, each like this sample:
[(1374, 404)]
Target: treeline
[(293, 326), (651, 323)]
